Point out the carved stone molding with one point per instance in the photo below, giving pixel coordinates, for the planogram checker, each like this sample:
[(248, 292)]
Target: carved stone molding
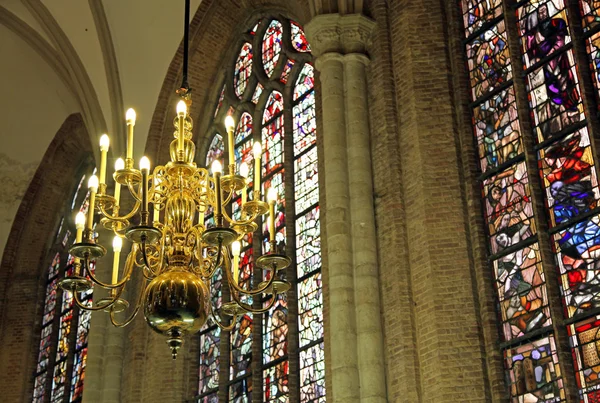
[(340, 33)]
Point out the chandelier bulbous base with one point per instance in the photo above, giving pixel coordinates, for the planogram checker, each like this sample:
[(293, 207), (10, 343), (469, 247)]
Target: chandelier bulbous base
[(175, 252)]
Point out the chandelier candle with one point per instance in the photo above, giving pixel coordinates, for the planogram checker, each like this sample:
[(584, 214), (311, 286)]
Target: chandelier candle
[(93, 186), (119, 165), (79, 225), (117, 245), (130, 117), (230, 125), (104, 144), (216, 168)]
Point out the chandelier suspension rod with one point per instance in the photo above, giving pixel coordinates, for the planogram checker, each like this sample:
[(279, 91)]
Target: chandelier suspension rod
[(186, 34)]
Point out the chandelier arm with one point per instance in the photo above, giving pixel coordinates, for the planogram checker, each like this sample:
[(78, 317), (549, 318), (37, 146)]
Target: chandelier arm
[(251, 309), (144, 252), (126, 217), (133, 192), (109, 286), (226, 328), (100, 307), (133, 314)]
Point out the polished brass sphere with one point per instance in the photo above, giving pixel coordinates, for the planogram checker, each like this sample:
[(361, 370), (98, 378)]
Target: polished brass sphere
[(176, 304)]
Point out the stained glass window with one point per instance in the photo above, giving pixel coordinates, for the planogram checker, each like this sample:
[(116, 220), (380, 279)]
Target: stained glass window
[(243, 70), (62, 350), (271, 46), (272, 110), (568, 177)]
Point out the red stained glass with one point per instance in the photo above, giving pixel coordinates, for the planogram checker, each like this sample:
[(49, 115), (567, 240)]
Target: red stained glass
[(478, 12), (271, 46), (274, 106), (299, 41), (243, 70)]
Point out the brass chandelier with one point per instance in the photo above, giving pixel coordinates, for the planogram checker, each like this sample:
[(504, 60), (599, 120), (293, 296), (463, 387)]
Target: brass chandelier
[(175, 252)]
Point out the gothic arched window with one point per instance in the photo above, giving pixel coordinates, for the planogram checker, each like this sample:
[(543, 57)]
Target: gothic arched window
[(63, 342), (269, 90), (525, 59)]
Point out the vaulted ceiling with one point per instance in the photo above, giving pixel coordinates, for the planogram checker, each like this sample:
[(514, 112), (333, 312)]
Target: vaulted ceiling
[(93, 57)]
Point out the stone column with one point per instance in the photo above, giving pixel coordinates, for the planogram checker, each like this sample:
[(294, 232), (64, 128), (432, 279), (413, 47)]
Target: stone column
[(356, 342)]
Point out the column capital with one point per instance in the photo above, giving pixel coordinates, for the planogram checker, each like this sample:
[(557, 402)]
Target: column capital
[(339, 33)]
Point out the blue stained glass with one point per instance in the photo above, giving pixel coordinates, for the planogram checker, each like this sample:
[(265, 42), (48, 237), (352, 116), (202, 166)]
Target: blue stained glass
[(577, 251), (287, 69), (305, 124), (569, 176), (241, 391)]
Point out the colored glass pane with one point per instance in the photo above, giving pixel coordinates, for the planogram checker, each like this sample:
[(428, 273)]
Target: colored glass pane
[(241, 391), (305, 123), (83, 326), (74, 201), (79, 362), (299, 41), (308, 242), (275, 330), (50, 302), (45, 346), (272, 142), (593, 50), (508, 209), (590, 12), (63, 335), (243, 70), (39, 388), (59, 381), (271, 46), (287, 69), (477, 12), (254, 29), (65, 240), (312, 374), (215, 150), (257, 92), (578, 256), (220, 102), (306, 179), (497, 130), (543, 28), (67, 302), (274, 106), (212, 398), (569, 176), (585, 340), (534, 374), (85, 204), (554, 96), (522, 293), (276, 383), (53, 271), (241, 347), (305, 81), (488, 61), (243, 130), (310, 309), (209, 360), (60, 227)]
